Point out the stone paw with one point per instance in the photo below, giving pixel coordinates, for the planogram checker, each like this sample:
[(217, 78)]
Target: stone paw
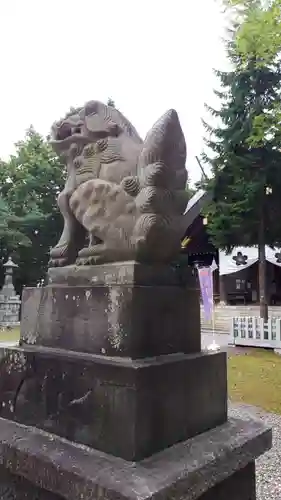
[(59, 252), (58, 262), (91, 251), (89, 260)]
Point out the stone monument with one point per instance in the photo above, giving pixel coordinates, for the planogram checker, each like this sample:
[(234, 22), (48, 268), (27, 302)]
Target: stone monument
[(9, 301), (108, 394)]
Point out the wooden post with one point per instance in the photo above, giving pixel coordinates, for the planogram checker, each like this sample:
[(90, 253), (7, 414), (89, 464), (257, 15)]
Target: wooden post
[(223, 296), (262, 270)]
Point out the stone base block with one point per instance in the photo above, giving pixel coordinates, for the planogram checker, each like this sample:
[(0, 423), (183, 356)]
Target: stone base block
[(216, 465), (13, 487), (128, 408), (122, 309), (240, 486)]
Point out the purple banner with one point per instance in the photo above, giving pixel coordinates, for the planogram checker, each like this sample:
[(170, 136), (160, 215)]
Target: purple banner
[(206, 286)]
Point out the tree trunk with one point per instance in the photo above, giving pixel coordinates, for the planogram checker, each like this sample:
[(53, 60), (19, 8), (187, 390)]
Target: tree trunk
[(262, 271), (223, 296)]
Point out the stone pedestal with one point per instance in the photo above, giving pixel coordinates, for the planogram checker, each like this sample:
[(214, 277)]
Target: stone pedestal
[(110, 358), (129, 310), (216, 465), (131, 409)]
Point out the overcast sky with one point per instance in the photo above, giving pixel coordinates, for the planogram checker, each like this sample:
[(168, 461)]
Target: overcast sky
[(148, 55)]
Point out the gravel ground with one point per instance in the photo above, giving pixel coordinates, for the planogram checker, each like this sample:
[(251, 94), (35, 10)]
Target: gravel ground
[(268, 466)]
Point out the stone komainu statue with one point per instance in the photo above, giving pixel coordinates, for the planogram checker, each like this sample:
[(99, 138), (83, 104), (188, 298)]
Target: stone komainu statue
[(123, 198)]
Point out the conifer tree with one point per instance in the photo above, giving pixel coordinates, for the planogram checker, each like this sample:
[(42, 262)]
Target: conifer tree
[(244, 148)]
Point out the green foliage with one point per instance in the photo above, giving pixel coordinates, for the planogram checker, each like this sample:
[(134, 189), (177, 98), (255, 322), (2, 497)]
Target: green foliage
[(11, 229), (259, 35), (30, 222), (245, 145)]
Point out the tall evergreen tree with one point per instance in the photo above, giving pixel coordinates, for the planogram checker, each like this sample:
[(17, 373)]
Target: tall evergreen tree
[(246, 157), (30, 221)]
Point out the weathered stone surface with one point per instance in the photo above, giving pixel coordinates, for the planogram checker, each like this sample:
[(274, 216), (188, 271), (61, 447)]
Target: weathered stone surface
[(128, 408), (239, 486), (123, 273), (9, 311), (215, 465), (115, 321), (129, 310), (127, 196), (13, 487)]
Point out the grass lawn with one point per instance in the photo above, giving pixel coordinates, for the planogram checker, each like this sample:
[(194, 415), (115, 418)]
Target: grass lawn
[(13, 335), (255, 378)]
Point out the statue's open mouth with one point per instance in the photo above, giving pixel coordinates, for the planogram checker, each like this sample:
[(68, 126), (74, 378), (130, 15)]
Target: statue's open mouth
[(66, 135), (66, 131)]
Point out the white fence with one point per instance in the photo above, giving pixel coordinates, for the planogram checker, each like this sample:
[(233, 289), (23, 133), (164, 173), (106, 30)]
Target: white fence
[(255, 332)]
